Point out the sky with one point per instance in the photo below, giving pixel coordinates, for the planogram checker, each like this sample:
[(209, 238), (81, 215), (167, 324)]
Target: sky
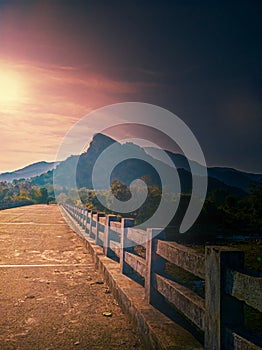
[(201, 60)]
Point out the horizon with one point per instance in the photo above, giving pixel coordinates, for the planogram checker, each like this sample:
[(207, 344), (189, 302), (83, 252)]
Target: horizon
[(123, 142), (59, 61), (208, 166)]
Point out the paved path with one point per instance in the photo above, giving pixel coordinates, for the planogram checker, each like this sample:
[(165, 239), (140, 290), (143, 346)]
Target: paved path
[(49, 295)]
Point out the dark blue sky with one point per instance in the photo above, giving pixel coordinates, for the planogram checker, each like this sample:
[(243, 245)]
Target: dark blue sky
[(201, 60), (205, 58)]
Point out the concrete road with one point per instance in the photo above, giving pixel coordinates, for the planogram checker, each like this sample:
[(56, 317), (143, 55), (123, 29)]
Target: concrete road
[(51, 296)]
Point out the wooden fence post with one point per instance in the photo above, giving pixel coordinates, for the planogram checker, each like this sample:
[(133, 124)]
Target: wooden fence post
[(154, 263), (125, 244), (93, 212), (77, 214), (82, 217), (109, 219), (222, 311), (99, 215), (86, 221)]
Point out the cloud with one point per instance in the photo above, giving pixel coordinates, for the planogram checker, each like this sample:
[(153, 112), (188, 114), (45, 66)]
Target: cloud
[(54, 98)]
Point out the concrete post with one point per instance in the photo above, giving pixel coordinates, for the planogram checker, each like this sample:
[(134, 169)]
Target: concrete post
[(109, 219), (99, 215), (75, 212), (124, 244), (154, 263), (91, 233), (87, 221), (78, 215), (221, 310), (82, 217)]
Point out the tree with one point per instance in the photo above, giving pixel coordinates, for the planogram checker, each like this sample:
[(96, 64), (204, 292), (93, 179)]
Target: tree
[(62, 197), (24, 195), (44, 195), (120, 190)]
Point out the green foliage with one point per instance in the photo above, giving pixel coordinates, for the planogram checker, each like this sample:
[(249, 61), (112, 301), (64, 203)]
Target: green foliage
[(22, 191), (120, 190), (43, 195), (43, 179), (243, 214), (221, 213)]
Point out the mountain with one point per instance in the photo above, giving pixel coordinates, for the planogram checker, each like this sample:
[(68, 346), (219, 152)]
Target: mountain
[(233, 177), (232, 181), (128, 170), (29, 171), (180, 161), (229, 176)]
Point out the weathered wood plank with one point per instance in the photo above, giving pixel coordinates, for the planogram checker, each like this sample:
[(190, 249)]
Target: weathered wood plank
[(115, 224), (115, 228), (184, 257), (245, 288), (238, 342), (186, 301), (138, 236), (102, 220), (115, 247), (101, 236), (136, 262)]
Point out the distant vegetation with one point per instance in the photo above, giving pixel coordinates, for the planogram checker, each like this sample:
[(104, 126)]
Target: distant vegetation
[(232, 207), (21, 192), (222, 212), (28, 171), (142, 164)]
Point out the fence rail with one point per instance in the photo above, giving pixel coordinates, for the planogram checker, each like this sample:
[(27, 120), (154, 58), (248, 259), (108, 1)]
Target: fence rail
[(219, 314)]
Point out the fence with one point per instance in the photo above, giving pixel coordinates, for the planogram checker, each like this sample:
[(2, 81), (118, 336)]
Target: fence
[(219, 314)]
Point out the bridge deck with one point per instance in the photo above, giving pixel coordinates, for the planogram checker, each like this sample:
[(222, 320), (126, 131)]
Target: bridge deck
[(49, 298)]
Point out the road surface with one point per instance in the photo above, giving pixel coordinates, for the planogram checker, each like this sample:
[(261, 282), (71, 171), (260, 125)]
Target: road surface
[(51, 296)]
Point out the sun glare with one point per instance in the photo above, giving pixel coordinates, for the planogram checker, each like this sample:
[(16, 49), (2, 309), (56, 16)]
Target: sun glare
[(10, 88)]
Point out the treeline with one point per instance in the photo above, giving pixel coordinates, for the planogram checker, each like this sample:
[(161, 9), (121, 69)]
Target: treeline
[(239, 212), (222, 213), (21, 192)]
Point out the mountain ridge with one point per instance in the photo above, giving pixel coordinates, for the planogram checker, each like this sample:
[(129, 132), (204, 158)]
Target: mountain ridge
[(28, 171), (227, 175), (229, 179)]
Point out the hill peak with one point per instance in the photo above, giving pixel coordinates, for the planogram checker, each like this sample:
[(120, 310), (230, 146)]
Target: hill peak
[(100, 142)]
